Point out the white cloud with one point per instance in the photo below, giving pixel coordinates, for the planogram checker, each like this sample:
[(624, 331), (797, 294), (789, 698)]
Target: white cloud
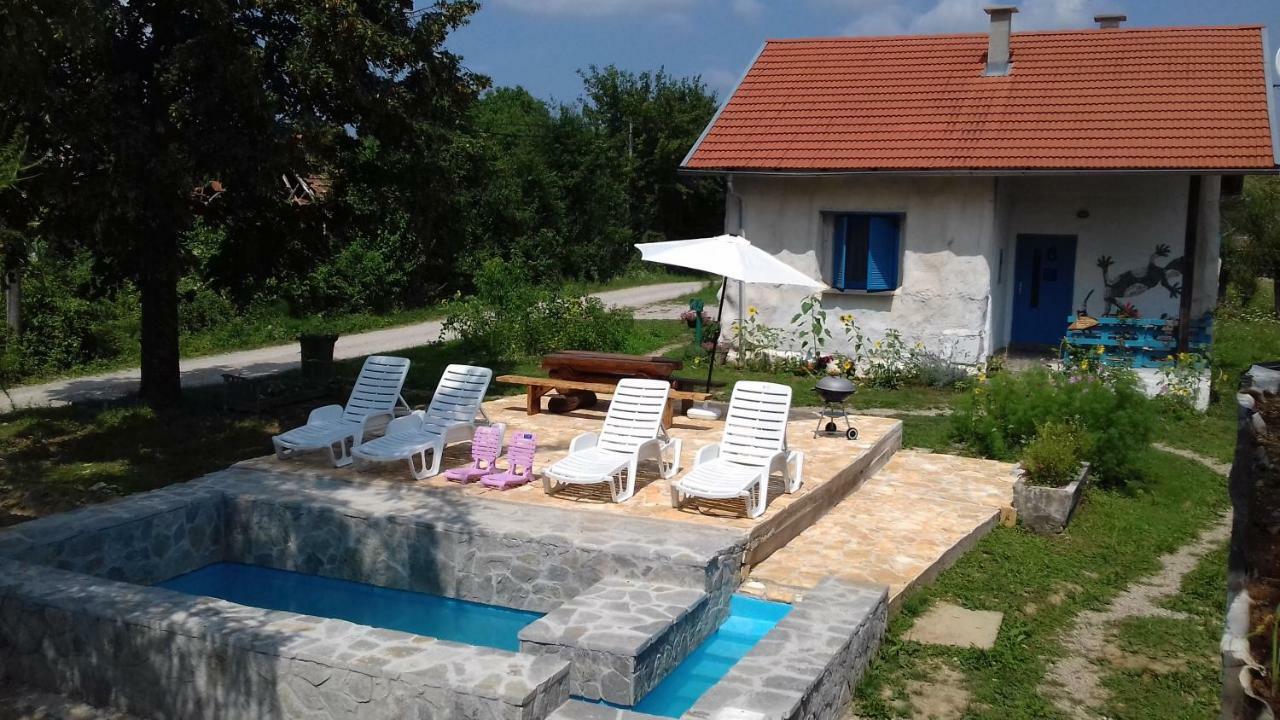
[(748, 9), (595, 8), (946, 16)]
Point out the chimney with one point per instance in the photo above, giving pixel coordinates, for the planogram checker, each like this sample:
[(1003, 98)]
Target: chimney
[(1109, 21), (998, 45)]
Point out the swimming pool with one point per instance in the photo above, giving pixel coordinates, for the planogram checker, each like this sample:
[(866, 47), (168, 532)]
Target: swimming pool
[(469, 622), (413, 612)]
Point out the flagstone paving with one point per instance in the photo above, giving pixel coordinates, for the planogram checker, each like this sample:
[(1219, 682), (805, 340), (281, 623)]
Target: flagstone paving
[(948, 624), (832, 467), (900, 528), (867, 512)]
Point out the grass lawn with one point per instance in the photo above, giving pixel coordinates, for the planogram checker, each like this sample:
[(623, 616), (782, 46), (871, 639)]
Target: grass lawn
[(1041, 584), (55, 459), (276, 327), (1168, 667)]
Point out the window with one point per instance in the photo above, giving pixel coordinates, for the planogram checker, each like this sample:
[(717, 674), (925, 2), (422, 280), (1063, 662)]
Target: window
[(865, 250)]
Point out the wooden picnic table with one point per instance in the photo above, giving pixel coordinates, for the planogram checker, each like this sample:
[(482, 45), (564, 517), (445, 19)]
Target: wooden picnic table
[(540, 386), (584, 365), (600, 367)]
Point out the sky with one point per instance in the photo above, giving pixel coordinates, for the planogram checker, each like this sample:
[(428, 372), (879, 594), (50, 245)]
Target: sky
[(541, 44)]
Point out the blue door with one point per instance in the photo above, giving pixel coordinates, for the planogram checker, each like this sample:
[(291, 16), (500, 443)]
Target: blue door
[(1043, 279)]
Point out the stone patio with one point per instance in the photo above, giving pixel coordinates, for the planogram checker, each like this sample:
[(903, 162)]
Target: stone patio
[(906, 524), (832, 468), (867, 512)]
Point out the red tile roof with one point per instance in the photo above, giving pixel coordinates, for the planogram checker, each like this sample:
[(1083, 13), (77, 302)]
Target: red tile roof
[(1180, 98)]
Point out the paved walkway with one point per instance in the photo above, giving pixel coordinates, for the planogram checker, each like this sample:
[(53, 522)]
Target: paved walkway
[(264, 361), (903, 526)]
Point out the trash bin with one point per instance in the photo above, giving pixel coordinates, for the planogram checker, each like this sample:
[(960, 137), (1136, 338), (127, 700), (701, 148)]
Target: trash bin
[(317, 357)]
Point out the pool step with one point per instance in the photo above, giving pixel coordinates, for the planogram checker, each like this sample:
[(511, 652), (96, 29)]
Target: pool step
[(622, 637)]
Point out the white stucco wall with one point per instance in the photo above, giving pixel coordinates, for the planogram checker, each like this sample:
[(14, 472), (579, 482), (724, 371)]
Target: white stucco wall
[(946, 265), (1128, 216), (956, 289)]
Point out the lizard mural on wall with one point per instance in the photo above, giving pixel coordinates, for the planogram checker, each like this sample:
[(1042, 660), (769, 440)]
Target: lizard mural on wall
[(1132, 283)]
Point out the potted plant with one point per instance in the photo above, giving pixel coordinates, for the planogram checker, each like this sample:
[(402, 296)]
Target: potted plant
[(690, 317), (317, 355), (1052, 477)]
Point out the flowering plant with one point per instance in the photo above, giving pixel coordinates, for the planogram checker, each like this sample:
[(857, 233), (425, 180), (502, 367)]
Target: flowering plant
[(1128, 312), (1180, 379)]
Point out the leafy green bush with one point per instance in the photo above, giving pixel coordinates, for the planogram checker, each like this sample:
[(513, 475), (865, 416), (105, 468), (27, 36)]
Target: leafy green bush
[(201, 308), (366, 274), (1053, 456), (65, 325), (1002, 413), (510, 317)]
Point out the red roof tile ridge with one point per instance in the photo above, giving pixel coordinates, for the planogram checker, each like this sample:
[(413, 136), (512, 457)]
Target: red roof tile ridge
[(1020, 33)]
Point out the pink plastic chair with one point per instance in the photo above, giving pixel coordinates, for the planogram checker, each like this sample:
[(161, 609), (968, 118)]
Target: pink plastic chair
[(485, 446), (519, 463)]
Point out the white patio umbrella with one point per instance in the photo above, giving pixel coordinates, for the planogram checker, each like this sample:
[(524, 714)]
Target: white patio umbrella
[(730, 256)]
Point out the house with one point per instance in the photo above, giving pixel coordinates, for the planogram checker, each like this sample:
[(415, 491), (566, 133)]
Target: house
[(973, 190)]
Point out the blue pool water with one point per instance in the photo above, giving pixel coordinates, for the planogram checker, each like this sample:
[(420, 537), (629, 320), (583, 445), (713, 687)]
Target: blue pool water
[(411, 612), (469, 622), (749, 620)]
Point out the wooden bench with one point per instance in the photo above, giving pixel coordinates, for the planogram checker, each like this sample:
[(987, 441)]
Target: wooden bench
[(539, 386)]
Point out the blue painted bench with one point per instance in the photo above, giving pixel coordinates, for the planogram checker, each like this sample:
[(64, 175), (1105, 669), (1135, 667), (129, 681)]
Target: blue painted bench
[(1139, 342)]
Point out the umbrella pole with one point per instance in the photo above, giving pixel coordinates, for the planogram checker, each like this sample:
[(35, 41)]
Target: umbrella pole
[(724, 286)]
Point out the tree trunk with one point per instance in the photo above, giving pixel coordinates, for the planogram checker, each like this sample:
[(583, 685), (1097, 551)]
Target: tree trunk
[(13, 301), (158, 281), (1275, 293)]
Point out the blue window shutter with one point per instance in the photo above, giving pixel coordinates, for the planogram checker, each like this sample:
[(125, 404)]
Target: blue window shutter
[(839, 245), (882, 253)]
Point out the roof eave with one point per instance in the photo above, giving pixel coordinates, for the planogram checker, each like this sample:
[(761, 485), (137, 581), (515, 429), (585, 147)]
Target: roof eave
[(734, 91), (977, 172)]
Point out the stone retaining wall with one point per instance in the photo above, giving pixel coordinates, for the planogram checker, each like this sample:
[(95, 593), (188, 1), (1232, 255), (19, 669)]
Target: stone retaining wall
[(158, 653), (144, 538), (808, 665), (530, 558)]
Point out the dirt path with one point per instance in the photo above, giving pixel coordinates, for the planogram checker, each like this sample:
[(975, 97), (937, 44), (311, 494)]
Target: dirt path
[(1219, 467), (1074, 683), (208, 370)]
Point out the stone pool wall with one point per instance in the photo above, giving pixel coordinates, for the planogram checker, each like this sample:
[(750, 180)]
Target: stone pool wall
[(624, 637), (530, 558), (158, 653), (808, 665), (77, 616), (143, 539)]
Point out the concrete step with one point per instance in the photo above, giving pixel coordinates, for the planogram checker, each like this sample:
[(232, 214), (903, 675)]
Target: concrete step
[(622, 637)]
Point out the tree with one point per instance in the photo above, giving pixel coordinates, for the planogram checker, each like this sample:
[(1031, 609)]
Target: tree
[(1255, 218), (651, 120), (137, 103)]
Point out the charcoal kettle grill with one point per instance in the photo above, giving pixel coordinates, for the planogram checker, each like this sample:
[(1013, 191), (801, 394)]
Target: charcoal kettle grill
[(835, 392)]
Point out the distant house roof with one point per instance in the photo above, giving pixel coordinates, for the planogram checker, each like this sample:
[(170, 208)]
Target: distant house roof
[(1086, 100)]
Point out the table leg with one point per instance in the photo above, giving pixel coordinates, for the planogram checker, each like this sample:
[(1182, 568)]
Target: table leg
[(533, 401)]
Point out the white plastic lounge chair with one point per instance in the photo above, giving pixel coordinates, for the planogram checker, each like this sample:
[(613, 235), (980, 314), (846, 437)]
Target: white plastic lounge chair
[(336, 428), (451, 417), (753, 446), (632, 432)]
